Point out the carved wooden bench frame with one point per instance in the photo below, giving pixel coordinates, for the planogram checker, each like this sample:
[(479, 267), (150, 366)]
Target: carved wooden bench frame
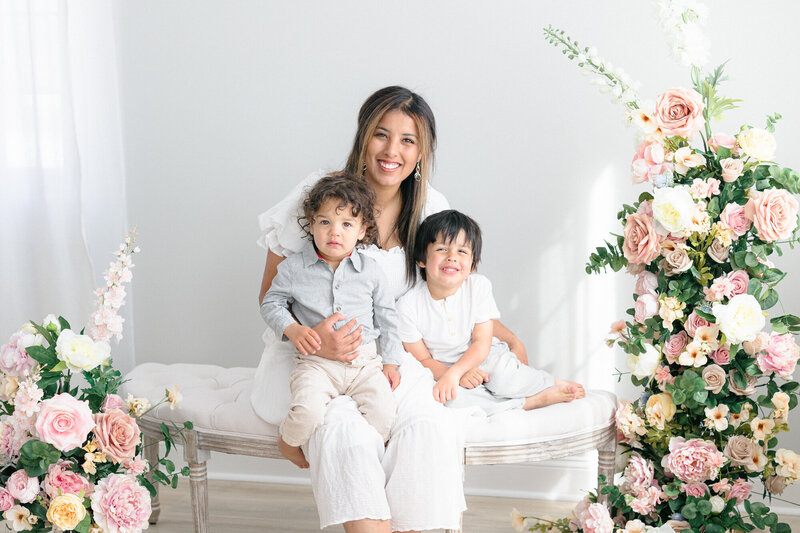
[(200, 442)]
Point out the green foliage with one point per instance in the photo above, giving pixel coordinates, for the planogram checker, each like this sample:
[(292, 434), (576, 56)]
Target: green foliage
[(36, 456)]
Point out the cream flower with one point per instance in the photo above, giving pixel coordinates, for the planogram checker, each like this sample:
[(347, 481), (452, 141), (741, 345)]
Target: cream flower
[(174, 396), (80, 352), (685, 159), (761, 427), (780, 400), (673, 208), (517, 520), (788, 464), (644, 365), (741, 319), (741, 416), (660, 409), (757, 143), (670, 310), (693, 355), (137, 406), (717, 418)]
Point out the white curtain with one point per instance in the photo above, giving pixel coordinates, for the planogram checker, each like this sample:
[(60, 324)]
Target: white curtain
[(62, 180)]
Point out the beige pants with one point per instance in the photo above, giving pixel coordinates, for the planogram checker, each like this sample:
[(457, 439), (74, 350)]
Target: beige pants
[(315, 381)]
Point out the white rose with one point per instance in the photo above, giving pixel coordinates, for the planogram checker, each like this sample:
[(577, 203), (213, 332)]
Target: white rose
[(645, 365), (757, 143), (741, 319), (80, 352), (673, 208), (717, 504)]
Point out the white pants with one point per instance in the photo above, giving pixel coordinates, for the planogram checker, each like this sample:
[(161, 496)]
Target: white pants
[(510, 382), (416, 481)]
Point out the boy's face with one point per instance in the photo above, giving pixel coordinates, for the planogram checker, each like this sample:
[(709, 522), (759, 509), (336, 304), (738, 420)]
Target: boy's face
[(336, 231), (447, 264)]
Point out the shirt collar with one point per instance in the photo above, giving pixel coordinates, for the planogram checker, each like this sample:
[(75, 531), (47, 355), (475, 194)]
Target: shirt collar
[(310, 257)]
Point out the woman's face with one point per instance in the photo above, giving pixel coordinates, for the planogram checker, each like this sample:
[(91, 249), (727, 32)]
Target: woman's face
[(393, 150)]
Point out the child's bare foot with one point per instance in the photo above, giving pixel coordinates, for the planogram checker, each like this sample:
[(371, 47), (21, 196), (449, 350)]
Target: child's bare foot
[(558, 393), (576, 387), (293, 453)]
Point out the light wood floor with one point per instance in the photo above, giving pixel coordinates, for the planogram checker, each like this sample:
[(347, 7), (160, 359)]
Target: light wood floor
[(239, 506)]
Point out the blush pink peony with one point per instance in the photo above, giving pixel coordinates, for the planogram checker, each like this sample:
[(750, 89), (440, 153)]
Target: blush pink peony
[(14, 360), (693, 460), (679, 112), (61, 480), (64, 422), (646, 306), (647, 156), (596, 519), (774, 214), (646, 283), (120, 504), (638, 475), (780, 356), (642, 244), (23, 488)]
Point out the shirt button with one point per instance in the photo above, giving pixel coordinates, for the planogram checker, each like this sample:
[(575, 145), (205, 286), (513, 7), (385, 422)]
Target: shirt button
[(338, 308), (336, 286)]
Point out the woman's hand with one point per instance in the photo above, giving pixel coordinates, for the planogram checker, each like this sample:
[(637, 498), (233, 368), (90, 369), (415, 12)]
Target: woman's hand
[(445, 389), (391, 373), (514, 344), (473, 378), (338, 345)]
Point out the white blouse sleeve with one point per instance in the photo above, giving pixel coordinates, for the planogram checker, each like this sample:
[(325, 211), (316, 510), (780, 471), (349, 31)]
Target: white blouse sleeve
[(434, 202), (280, 232)]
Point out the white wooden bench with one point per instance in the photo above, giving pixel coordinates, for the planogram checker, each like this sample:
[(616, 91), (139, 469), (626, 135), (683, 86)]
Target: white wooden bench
[(217, 401)]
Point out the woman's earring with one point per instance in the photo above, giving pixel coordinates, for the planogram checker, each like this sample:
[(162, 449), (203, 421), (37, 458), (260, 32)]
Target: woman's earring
[(364, 170), (417, 175)]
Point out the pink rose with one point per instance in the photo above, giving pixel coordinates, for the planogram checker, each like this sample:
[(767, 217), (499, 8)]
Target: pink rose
[(21, 487), (642, 243), (60, 478), (693, 322), (722, 355), (679, 112), (638, 475), (675, 345), (780, 356), (722, 486), (64, 422), (774, 213), (740, 490), (646, 306), (113, 401), (698, 490), (740, 280), (120, 504), (646, 283), (597, 520), (6, 500), (116, 434), (721, 139), (731, 169), (693, 460), (733, 218)]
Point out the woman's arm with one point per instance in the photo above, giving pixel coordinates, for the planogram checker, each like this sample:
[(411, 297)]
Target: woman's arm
[(421, 354), (270, 270), (514, 344)]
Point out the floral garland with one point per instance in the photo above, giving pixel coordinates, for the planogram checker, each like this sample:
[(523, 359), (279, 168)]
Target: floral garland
[(717, 387), (71, 458)]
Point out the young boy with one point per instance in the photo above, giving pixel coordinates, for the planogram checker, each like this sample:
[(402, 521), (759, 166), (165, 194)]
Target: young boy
[(446, 323), (330, 276)]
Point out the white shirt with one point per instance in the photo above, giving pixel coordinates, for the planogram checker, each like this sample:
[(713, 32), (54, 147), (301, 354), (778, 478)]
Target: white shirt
[(445, 326)]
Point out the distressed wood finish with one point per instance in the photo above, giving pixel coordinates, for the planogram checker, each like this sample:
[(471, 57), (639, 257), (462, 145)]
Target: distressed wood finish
[(200, 441)]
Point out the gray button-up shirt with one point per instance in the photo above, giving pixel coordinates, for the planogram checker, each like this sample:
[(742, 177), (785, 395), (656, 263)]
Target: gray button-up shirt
[(315, 291)]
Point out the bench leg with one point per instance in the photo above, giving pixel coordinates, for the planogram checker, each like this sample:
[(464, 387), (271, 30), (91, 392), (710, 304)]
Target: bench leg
[(150, 452), (606, 458), (198, 481)]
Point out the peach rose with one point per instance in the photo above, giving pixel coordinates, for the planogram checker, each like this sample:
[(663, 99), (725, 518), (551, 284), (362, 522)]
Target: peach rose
[(721, 139), (731, 169), (679, 112), (641, 244), (774, 213), (116, 434)]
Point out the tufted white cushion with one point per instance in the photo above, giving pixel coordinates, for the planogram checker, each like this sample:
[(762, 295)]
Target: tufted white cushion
[(219, 398)]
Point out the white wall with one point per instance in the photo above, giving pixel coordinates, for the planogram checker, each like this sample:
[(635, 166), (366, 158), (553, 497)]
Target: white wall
[(228, 104)]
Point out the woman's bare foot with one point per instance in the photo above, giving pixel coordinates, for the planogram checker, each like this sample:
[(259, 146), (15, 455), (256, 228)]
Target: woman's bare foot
[(293, 453), (576, 387), (558, 393)]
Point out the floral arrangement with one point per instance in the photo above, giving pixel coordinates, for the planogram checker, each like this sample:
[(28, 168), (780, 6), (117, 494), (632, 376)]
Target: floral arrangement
[(71, 457), (717, 386)]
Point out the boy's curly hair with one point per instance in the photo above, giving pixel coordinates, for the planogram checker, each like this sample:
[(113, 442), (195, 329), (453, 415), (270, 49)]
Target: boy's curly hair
[(351, 191)]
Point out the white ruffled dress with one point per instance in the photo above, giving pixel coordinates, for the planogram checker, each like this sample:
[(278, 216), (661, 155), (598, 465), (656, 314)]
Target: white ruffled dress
[(417, 480)]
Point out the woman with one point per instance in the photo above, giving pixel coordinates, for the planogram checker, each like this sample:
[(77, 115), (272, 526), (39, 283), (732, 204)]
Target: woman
[(417, 480)]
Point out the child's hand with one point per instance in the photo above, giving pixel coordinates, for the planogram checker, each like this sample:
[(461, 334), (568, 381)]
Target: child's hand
[(391, 373), (445, 388), (303, 337), (473, 378)]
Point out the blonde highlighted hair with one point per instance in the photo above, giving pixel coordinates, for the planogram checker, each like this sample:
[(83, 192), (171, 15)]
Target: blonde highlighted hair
[(413, 192)]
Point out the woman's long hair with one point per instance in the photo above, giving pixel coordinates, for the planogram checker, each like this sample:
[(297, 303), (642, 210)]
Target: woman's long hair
[(413, 192)]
